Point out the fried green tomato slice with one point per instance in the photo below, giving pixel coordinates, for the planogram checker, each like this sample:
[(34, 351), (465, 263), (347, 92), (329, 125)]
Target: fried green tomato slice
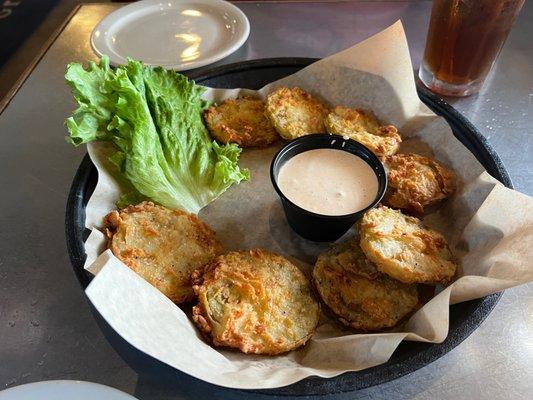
[(357, 293), (255, 301), (403, 248), (295, 113), (241, 121), (161, 245), (415, 181), (363, 127)]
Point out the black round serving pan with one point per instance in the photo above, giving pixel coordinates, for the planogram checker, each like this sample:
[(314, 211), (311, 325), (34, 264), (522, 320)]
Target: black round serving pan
[(409, 356)]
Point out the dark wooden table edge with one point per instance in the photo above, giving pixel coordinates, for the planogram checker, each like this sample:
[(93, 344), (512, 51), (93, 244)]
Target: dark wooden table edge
[(4, 102)]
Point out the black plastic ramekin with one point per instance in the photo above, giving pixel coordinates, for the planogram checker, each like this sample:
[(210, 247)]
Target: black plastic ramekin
[(317, 227)]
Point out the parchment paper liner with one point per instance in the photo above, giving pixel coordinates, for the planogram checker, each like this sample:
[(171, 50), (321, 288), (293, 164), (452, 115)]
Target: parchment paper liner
[(489, 226)]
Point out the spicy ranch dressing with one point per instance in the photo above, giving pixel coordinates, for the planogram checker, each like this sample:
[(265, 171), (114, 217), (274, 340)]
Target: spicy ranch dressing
[(328, 182)]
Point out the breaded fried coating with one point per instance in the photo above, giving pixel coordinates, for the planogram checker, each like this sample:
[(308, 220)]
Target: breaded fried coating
[(363, 127), (240, 121), (295, 113), (256, 301), (416, 181), (357, 293), (161, 245), (403, 248)]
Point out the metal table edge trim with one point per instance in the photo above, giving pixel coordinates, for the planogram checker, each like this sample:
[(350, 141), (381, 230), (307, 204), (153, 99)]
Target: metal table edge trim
[(6, 100)]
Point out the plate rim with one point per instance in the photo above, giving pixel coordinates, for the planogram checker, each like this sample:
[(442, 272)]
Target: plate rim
[(60, 383), (99, 46), (349, 381)]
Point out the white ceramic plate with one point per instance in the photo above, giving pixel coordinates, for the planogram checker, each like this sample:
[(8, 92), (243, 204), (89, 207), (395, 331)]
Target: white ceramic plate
[(63, 390), (176, 34)]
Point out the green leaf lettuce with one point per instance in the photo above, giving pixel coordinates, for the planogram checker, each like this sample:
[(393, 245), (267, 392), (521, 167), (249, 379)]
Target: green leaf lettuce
[(154, 118)]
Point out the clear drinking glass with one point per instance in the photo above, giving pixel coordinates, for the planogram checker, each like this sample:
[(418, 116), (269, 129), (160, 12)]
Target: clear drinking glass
[(464, 39)]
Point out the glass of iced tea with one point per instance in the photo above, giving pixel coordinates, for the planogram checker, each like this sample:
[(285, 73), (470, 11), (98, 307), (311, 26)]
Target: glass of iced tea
[(464, 39)]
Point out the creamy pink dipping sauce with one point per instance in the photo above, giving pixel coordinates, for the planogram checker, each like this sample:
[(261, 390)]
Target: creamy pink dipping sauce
[(328, 182)]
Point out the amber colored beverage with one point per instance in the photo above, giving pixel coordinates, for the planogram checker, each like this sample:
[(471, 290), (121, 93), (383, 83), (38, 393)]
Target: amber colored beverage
[(464, 39)]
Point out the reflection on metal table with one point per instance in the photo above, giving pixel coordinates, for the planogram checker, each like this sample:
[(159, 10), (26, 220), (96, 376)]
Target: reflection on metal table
[(46, 326)]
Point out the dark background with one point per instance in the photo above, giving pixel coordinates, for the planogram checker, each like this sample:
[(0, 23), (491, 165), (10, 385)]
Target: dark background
[(18, 20)]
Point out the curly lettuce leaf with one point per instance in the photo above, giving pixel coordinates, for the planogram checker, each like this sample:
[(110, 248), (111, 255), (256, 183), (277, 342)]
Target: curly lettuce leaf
[(154, 118)]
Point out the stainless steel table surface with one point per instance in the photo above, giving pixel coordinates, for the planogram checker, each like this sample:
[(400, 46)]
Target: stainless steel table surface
[(46, 328)]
